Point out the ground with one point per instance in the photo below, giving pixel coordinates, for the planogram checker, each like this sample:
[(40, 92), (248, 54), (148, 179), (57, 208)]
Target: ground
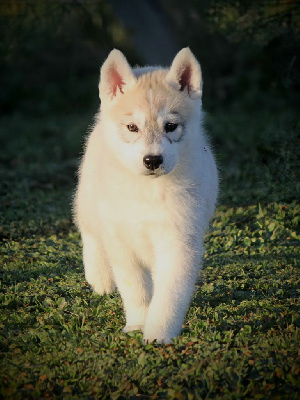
[(240, 338)]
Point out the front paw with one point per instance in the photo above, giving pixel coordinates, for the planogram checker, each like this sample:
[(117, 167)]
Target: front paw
[(159, 334), (164, 341), (101, 286)]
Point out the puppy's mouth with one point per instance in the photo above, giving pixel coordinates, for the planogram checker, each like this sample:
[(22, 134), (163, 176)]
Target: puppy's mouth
[(152, 173), (156, 173)]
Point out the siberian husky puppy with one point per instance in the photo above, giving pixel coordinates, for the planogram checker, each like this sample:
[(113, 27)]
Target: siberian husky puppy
[(147, 190)]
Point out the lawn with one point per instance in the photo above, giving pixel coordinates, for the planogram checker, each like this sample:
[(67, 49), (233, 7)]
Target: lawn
[(240, 339)]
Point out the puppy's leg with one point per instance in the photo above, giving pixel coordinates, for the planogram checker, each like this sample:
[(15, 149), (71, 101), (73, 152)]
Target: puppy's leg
[(136, 293), (135, 285), (98, 272), (175, 274)]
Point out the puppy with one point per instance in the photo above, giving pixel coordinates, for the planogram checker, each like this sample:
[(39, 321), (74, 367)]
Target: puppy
[(147, 190)]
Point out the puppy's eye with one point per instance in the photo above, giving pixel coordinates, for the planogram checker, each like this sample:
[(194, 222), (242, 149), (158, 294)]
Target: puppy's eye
[(132, 128), (170, 127)]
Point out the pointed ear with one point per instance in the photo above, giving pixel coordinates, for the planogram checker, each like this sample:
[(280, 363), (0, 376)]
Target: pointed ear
[(185, 74), (116, 76)]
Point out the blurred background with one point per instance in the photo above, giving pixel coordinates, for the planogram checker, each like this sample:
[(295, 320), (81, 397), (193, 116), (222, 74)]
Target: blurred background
[(51, 52)]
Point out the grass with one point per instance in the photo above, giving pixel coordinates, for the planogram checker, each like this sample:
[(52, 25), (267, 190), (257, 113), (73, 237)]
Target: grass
[(240, 338)]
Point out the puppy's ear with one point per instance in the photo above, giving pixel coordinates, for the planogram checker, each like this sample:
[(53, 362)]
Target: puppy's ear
[(185, 74), (116, 76)]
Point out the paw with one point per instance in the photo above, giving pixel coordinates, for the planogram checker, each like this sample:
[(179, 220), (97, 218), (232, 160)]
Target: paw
[(164, 341), (102, 287), (160, 335), (130, 328)]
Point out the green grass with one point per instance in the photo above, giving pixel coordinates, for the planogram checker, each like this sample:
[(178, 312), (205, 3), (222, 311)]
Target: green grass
[(240, 338)]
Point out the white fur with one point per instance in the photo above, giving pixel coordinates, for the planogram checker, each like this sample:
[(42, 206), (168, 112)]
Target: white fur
[(142, 232)]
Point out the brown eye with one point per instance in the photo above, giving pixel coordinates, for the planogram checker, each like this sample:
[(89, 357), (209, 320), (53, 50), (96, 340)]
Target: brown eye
[(132, 128), (170, 127)]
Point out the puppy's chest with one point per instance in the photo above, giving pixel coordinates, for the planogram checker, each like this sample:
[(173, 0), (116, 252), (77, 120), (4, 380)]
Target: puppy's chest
[(138, 226), (136, 213), (142, 214)]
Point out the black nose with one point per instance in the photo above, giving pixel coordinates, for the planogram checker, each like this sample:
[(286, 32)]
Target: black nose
[(153, 162)]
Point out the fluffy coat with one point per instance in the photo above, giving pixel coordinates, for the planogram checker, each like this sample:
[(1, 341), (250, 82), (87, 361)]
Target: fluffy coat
[(142, 228)]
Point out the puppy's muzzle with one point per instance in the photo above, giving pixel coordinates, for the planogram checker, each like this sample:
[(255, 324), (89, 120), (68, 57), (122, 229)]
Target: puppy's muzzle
[(153, 162)]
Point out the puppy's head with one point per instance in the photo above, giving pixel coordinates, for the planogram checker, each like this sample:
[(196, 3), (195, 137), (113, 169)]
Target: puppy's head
[(148, 113)]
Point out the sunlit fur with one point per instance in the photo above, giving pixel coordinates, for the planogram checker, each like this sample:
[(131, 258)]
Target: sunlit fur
[(142, 230)]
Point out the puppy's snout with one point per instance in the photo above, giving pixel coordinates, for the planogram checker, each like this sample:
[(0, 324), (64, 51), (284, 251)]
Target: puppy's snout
[(153, 162)]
